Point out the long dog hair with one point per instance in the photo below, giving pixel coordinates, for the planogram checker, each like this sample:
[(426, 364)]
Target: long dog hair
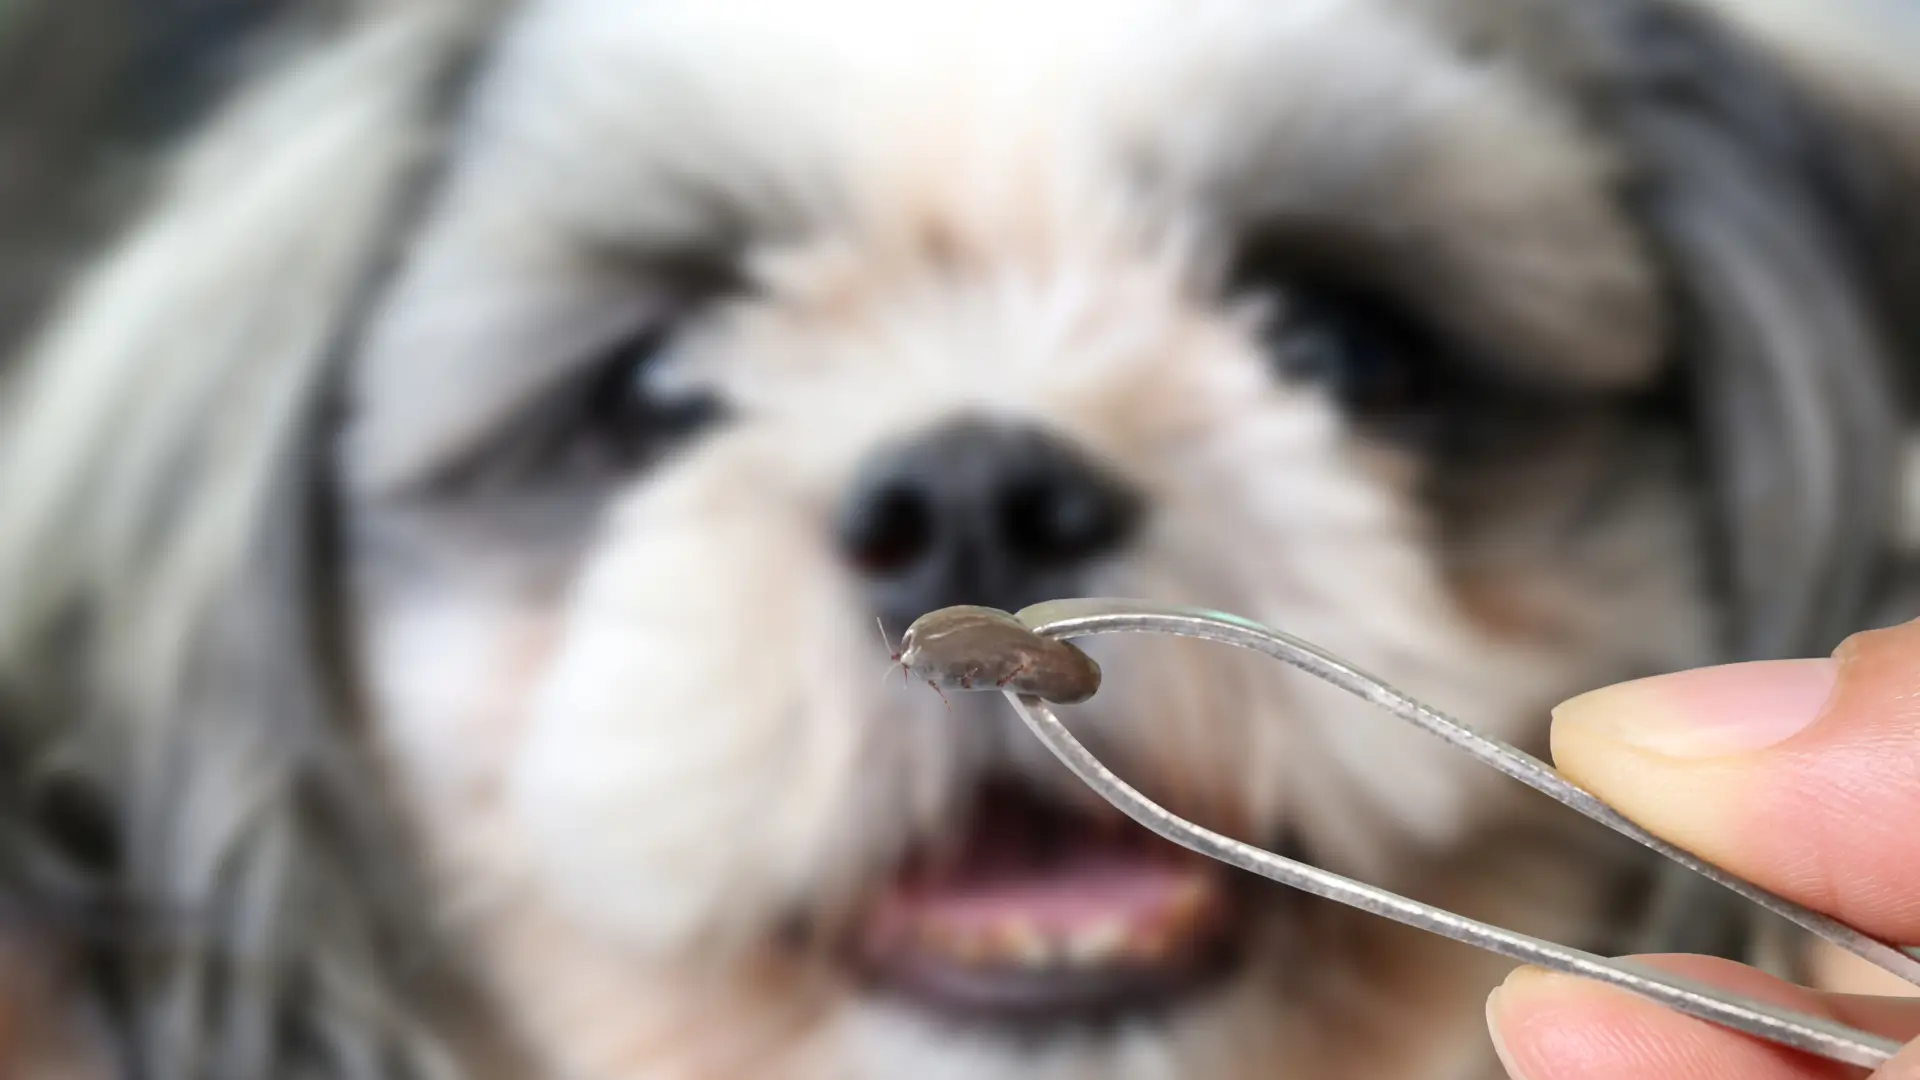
[(192, 809)]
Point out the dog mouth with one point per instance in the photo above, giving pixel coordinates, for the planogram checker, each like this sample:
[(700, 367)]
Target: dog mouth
[(1036, 912)]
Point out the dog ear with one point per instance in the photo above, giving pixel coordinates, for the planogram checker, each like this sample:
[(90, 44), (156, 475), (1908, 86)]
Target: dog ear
[(1773, 218), (169, 676), (1784, 240)]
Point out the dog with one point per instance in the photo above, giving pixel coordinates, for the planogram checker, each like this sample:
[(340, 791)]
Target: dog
[(444, 535)]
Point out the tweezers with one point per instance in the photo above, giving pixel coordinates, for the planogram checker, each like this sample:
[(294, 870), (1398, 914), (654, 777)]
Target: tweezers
[(1812, 1034)]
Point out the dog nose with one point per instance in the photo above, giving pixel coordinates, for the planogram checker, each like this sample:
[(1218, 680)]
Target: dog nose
[(982, 512)]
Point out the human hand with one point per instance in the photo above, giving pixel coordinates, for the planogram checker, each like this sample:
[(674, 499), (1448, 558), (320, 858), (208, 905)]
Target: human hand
[(1802, 776)]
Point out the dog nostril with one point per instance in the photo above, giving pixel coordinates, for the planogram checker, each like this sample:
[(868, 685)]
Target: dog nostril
[(1054, 522), (891, 530), (980, 512)]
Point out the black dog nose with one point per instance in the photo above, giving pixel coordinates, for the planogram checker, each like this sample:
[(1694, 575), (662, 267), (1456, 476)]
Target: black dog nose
[(978, 512)]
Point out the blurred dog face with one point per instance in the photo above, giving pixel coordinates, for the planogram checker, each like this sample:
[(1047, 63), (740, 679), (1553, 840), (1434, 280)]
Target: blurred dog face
[(727, 328), (739, 324)]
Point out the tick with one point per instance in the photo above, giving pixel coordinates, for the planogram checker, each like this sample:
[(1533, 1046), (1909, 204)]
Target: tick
[(983, 648)]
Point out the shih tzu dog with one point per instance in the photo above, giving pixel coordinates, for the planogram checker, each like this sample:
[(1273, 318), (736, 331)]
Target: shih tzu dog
[(443, 539)]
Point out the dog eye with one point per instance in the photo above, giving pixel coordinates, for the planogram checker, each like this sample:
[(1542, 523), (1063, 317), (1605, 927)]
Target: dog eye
[(635, 404), (1370, 356), (616, 414), (1389, 372)]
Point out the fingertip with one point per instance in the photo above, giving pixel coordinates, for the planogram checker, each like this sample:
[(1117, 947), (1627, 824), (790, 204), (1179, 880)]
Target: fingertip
[(1695, 804), (1500, 1005), (1710, 712), (1676, 752), (1549, 1026), (1539, 1021), (1794, 774)]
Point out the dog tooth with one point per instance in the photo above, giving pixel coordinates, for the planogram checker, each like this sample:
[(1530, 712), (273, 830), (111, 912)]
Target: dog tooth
[(1022, 942), (1101, 941)]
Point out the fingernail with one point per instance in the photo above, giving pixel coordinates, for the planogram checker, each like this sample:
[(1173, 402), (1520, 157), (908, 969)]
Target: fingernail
[(1507, 1062), (1707, 712)]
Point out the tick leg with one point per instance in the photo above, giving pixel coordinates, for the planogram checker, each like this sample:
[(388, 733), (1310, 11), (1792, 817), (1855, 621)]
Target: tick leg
[(943, 697), (1026, 665)]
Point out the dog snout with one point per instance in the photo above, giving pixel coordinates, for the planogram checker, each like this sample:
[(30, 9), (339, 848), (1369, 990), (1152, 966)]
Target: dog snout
[(980, 511)]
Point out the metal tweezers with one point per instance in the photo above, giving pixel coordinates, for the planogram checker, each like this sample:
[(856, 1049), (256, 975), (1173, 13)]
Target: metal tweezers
[(1812, 1034)]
